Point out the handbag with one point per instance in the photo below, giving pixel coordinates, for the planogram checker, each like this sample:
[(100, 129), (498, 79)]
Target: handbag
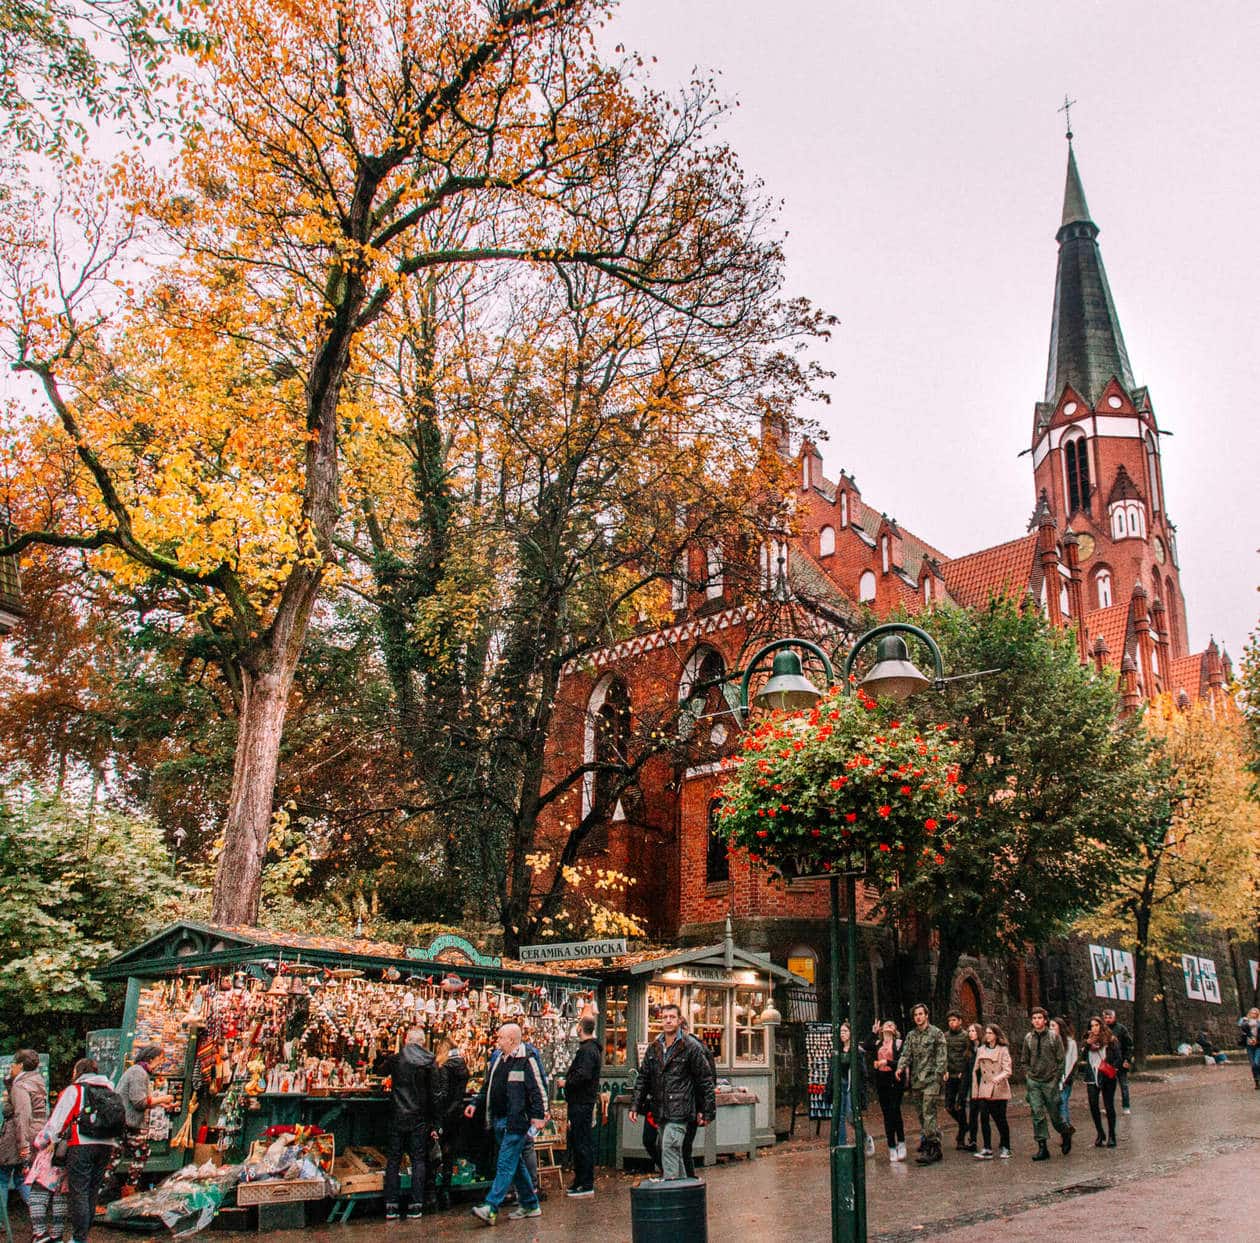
[(1107, 1070), (60, 1149)]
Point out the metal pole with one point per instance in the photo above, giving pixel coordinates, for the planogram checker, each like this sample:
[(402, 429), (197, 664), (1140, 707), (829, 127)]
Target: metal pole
[(844, 1215), (855, 1079)]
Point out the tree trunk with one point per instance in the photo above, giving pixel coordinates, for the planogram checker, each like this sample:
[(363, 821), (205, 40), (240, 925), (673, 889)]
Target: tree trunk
[(1139, 1002), (1163, 1005), (238, 882)]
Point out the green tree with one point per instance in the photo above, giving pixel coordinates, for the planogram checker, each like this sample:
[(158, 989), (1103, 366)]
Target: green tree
[(1049, 778)]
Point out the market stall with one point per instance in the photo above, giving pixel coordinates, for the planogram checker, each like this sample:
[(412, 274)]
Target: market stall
[(726, 995), (264, 1033)]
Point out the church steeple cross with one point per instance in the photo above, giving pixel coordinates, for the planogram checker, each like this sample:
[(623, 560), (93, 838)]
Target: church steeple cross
[(1067, 113)]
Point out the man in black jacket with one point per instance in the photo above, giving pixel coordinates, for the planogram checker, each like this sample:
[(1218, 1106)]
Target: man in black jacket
[(1126, 1054), (581, 1088), (675, 1082), (411, 1121)]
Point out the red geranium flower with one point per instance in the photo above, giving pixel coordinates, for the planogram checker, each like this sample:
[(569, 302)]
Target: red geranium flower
[(885, 811), (906, 790), (851, 816)]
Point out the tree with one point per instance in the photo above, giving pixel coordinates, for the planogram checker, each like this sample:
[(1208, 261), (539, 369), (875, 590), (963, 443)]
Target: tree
[(1049, 778), (1196, 854), (198, 439)]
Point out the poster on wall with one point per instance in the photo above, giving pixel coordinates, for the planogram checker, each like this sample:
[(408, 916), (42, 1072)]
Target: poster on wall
[(1201, 981), (1113, 972), (1194, 981)]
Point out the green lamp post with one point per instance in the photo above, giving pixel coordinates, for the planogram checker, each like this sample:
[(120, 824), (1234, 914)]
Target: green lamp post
[(893, 676)]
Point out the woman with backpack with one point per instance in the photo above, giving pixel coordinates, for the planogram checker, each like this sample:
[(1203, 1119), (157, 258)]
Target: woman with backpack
[(88, 1119)]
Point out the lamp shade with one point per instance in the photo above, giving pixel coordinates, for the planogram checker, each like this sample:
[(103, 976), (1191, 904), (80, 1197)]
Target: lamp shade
[(787, 687), (893, 676), (768, 1017)]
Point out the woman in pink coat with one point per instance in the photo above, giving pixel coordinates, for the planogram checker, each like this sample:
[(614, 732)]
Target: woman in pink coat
[(991, 1086)]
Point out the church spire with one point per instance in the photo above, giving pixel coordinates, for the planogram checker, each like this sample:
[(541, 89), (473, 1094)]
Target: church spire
[(1086, 345)]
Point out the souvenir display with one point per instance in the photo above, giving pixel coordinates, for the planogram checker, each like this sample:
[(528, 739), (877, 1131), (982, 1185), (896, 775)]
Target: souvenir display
[(818, 1068)]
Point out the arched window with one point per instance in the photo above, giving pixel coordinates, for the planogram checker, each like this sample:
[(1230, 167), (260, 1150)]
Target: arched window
[(883, 552), (771, 553), (1102, 586), (1137, 519), (717, 865), (1076, 466), (866, 587), (1152, 470), (1064, 608), (713, 573), (701, 688), (606, 741), (927, 589), (1119, 528), (844, 509), (678, 585), (1170, 612), (826, 541)]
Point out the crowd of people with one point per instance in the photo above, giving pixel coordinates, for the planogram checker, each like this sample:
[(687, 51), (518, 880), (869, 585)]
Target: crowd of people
[(969, 1068)]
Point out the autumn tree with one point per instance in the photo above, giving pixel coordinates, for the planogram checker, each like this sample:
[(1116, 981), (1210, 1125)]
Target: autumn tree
[(197, 423), (1196, 856), (1049, 777)]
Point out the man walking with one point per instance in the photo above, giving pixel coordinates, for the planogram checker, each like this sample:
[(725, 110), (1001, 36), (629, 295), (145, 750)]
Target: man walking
[(515, 1106), (676, 1084), (1126, 1055), (922, 1067), (411, 1122), (1043, 1073), (957, 1057), (581, 1088)]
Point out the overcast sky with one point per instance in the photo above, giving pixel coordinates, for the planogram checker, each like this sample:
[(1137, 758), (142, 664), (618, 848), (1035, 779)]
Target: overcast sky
[(921, 159)]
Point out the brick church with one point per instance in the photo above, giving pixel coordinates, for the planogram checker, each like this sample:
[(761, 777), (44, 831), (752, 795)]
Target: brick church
[(1099, 555)]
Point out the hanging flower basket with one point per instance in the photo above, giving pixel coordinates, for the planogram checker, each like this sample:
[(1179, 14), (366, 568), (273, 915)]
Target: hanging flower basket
[(844, 788)]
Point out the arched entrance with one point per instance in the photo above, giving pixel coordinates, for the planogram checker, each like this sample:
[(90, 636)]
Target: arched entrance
[(969, 1001)]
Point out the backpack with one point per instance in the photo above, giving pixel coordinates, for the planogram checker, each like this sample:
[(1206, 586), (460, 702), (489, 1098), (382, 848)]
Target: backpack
[(101, 1116)]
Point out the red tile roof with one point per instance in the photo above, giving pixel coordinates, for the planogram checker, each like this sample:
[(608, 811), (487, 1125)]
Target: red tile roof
[(1189, 674), (1005, 569), (1113, 624)]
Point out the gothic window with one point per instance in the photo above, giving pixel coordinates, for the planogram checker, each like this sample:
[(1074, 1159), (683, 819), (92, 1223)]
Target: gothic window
[(1170, 611), (701, 684), (1064, 608), (717, 866), (1152, 470), (606, 741), (927, 589), (1118, 525), (826, 541), (1102, 585), (1076, 461), (805, 471), (713, 573), (884, 553), (844, 509), (678, 585), (866, 587)]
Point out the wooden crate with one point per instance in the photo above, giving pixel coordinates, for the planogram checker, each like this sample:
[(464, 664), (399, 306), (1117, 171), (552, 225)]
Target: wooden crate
[(360, 1170), (279, 1191)]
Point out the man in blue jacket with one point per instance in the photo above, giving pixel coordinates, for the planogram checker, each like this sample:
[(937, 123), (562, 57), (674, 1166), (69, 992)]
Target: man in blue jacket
[(514, 1101)]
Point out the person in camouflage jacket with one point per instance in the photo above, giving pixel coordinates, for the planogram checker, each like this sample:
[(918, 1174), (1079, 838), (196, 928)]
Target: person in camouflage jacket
[(922, 1066)]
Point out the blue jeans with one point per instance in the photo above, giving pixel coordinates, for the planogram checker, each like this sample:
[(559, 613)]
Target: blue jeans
[(1122, 1076), (14, 1176), (511, 1169), (841, 1123), (1253, 1052), (1065, 1094)]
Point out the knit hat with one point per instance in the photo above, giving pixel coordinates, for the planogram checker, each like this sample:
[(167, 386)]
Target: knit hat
[(149, 1053)]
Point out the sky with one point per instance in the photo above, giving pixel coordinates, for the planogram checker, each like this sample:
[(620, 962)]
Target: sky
[(920, 158)]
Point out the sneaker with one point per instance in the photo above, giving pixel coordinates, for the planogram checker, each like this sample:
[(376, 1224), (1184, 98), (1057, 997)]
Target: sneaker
[(1004, 1153), (517, 1213), (483, 1212), (579, 1193), (985, 1154), (901, 1151), (414, 1212), (1127, 1111), (391, 1212)]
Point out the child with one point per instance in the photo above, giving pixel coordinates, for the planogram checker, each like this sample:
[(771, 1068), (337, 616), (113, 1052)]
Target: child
[(49, 1208)]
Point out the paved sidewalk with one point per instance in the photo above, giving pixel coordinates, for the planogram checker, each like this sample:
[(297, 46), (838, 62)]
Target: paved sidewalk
[(1187, 1167)]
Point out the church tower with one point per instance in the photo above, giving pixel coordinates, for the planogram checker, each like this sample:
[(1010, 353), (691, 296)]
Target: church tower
[(1096, 446)]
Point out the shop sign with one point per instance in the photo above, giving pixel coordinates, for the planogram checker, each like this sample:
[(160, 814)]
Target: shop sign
[(709, 975), (449, 948), (563, 951)]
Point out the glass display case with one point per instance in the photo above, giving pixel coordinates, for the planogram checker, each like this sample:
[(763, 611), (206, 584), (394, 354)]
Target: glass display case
[(616, 1025)]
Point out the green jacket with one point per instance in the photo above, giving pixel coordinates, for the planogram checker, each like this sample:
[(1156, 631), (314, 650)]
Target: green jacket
[(1043, 1056), (957, 1051), (923, 1054)]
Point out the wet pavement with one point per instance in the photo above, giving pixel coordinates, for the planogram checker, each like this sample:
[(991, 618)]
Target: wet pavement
[(1187, 1165)]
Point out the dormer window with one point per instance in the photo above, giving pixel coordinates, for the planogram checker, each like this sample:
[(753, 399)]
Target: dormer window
[(826, 541), (1076, 468), (1128, 520)]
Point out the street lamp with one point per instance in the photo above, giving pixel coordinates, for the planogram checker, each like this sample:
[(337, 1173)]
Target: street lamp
[(893, 676)]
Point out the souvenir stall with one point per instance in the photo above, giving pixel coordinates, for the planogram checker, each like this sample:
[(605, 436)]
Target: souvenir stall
[(267, 1033), (727, 996)]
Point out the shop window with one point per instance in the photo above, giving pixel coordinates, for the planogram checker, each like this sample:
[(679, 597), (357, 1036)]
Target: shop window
[(826, 541), (616, 1025), (750, 1036), (803, 961), (659, 995), (708, 1020), (717, 863)]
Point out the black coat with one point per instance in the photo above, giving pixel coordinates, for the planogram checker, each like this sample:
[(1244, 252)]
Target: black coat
[(581, 1083), (676, 1084), (450, 1086), (885, 1080), (412, 1093)]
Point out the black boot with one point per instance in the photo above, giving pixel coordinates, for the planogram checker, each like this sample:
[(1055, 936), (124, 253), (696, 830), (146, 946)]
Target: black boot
[(931, 1153), (1065, 1139), (1042, 1153)]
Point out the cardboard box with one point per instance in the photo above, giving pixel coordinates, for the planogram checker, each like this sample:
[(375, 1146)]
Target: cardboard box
[(207, 1152)]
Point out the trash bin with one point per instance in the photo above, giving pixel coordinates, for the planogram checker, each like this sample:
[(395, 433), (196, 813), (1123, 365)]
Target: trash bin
[(669, 1212)]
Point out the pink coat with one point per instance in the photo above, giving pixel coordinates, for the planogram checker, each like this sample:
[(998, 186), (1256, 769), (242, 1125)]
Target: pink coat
[(992, 1073)]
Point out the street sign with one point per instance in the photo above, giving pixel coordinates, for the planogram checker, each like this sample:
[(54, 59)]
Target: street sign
[(563, 951)]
